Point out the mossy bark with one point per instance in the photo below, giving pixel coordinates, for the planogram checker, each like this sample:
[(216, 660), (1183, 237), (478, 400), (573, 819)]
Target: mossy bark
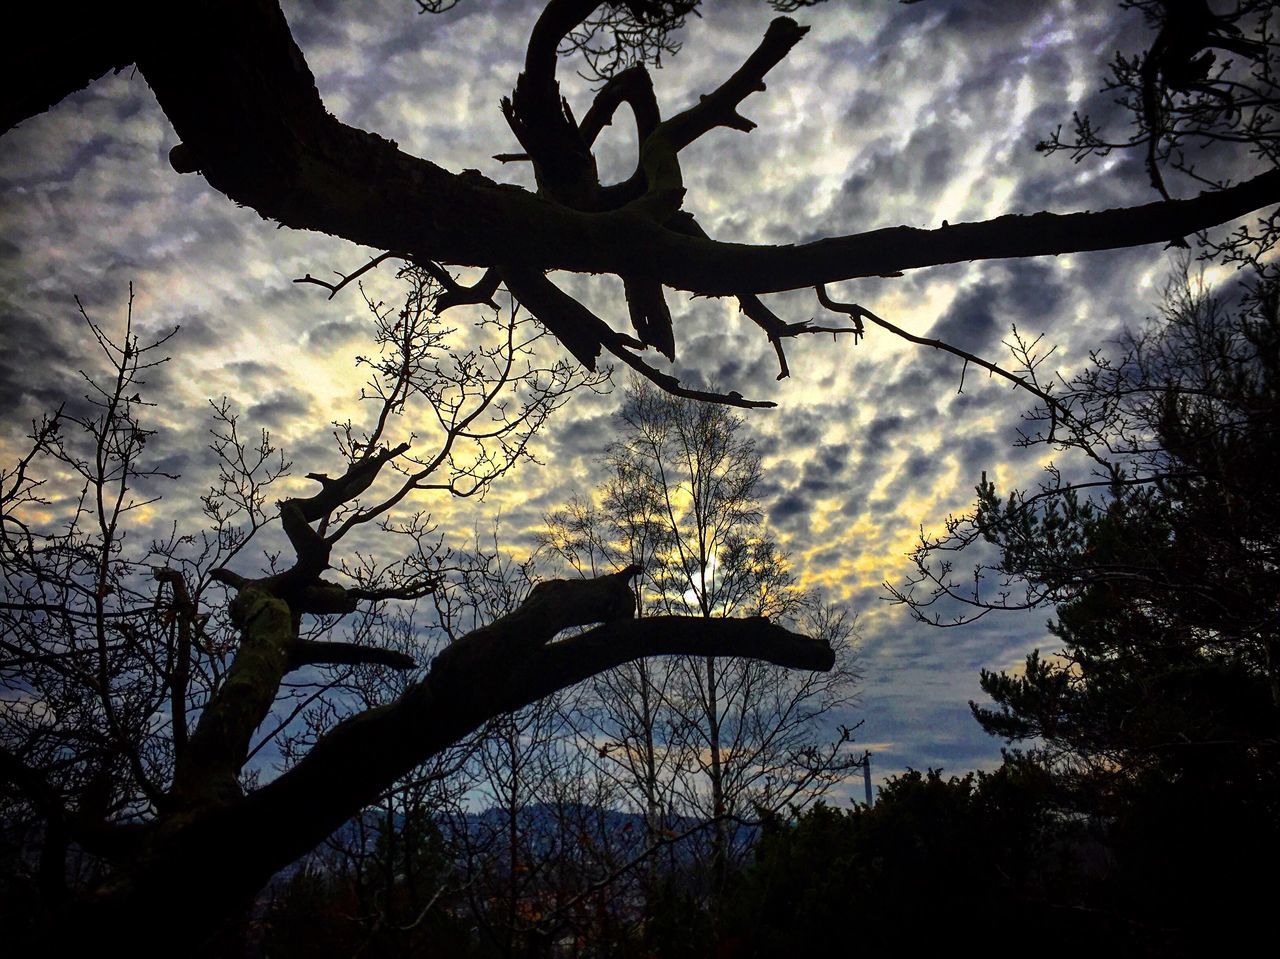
[(208, 770)]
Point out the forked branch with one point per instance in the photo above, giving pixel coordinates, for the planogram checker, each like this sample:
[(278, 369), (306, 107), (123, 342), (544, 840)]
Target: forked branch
[(345, 278), (585, 335)]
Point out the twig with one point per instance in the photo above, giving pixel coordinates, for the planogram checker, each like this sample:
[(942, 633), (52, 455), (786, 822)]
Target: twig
[(858, 313), (333, 288)]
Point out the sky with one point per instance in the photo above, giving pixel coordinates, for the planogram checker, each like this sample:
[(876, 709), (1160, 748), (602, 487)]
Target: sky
[(884, 114)]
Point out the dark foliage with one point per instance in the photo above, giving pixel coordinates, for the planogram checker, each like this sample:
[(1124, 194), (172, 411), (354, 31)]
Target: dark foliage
[(1167, 584), (1157, 718), (981, 857), (1160, 714)]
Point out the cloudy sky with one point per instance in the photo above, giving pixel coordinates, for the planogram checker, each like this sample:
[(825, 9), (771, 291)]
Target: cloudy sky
[(885, 114)]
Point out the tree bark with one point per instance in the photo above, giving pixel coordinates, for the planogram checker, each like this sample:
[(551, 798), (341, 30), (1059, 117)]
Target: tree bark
[(47, 61)]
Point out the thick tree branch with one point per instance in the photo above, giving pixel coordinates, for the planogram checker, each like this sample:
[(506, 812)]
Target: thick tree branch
[(229, 578), (207, 771), (334, 492), (312, 547), (732, 269), (319, 598), (50, 61), (241, 97), (661, 142), (632, 86), (541, 119), (455, 294), (611, 644), (720, 107), (470, 686), (650, 315), (267, 612), (501, 667), (580, 331), (552, 606), (558, 19)]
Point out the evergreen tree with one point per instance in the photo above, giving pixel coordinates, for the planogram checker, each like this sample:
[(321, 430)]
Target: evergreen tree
[(1159, 714)]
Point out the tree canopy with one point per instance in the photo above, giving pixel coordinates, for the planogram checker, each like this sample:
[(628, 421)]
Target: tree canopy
[(1162, 579)]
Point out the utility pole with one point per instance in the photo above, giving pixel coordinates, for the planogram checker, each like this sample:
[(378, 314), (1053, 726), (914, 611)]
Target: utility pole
[(866, 775)]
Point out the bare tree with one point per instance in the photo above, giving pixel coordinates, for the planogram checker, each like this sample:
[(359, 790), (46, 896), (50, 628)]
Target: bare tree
[(624, 718), (93, 747), (704, 738)]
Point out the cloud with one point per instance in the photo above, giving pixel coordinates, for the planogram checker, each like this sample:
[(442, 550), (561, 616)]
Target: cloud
[(884, 114), (279, 406)]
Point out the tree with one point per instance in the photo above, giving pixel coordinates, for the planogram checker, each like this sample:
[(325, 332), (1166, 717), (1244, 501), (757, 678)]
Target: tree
[(1161, 561), (244, 104), (135, 707), (240, 96), (705, 739), (980, 853), (1157, 714)]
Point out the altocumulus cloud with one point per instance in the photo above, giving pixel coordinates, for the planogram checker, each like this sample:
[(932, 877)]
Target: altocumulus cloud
[(885, 114)]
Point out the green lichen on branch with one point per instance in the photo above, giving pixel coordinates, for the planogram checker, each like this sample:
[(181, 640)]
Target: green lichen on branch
[(209, 770)]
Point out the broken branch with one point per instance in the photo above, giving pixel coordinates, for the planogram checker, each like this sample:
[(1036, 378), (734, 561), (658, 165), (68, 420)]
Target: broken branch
[(307, 652)]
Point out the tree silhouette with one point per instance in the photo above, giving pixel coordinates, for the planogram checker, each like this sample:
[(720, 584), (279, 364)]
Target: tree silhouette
[(158, 802), (135, 707), (1165, 583), (239, 94), (709, 739), (1155, 715)]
